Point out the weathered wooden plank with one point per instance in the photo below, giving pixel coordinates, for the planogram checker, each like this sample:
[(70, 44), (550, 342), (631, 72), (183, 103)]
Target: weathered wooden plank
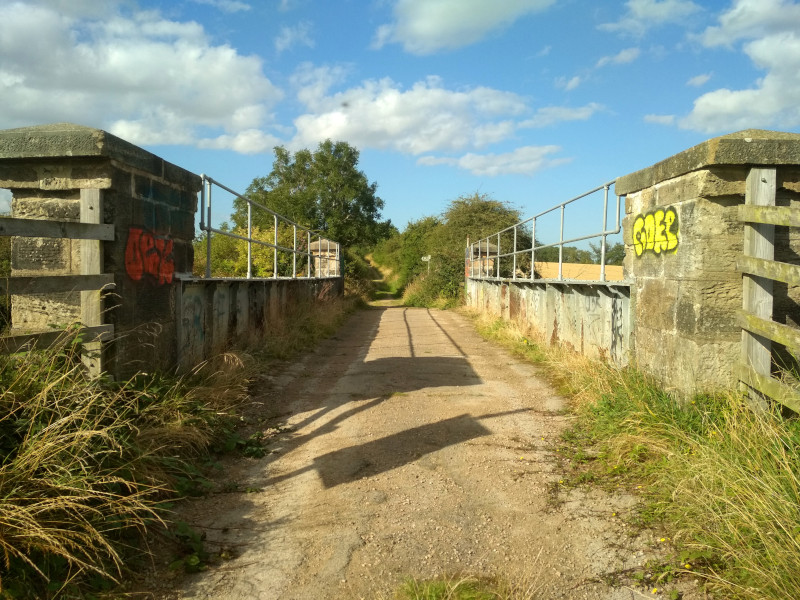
[(56, 229), (777, 332), (771, 269), (769, 386), (770, 215), (759, 243), (55, 283), (91, 264), (44, 339)]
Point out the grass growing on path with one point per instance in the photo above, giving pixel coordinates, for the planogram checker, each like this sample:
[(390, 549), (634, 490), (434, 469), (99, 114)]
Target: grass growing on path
[(466, 588), (722, 479)]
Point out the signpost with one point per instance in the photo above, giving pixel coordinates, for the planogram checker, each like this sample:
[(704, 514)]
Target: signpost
[(427, 259)]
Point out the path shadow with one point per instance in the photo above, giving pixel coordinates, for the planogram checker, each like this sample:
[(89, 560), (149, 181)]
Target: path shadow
[(393, 451)]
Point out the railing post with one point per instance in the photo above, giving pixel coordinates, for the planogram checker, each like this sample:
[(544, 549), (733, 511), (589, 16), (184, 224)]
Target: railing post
[(603, 240), (533, 249), (514, 264), (498, 256), (561, 245), (275, 249), (294, 252), (249, 241), (207, 182)]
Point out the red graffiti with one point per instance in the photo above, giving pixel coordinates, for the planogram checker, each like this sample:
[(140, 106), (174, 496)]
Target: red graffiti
[(147, 254)]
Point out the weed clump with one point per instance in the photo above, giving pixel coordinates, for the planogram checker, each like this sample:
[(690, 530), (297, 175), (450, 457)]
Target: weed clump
[(85, 465)]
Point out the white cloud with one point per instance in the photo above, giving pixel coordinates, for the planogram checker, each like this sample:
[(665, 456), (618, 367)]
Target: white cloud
[(289, 37), (749, 19), (228, 6), (551, 115), (526, 160), (423, 118), (699, 80), (772, 27), (644, 14), (660, 119), (144, 77), (568, 84), (250, 141), (427, 26), (623, 57)]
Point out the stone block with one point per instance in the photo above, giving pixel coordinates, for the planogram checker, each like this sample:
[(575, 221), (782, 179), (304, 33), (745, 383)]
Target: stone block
[(708, 308), (42, 312), (41, 256), (656, 303), (34, 205)]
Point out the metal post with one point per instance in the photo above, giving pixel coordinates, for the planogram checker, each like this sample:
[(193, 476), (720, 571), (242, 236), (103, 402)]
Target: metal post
[(533, 250), (561, 245), (275, 249), (309, 255), (208, 230), (249, 241), (603, 241), (327, 258), (514, 272), (498, 256), (294, 253)]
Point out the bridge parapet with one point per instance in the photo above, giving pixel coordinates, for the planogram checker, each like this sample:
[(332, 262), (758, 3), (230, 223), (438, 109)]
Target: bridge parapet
[(58, 173), (683, 238)]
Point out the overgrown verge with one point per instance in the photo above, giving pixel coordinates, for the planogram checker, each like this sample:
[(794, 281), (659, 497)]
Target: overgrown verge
[(87, 467), (722, 481)]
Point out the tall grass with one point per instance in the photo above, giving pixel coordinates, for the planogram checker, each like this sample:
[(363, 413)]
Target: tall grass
[(723, 479), (85, 465)]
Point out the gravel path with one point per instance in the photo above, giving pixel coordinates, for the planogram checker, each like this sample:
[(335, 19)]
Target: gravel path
[(406, 446)]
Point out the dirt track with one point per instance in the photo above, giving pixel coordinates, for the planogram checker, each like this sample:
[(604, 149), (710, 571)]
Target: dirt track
[(409, 447)]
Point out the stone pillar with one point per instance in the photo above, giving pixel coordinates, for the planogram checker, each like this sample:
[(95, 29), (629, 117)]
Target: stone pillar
[(682, 239), (151, 204)]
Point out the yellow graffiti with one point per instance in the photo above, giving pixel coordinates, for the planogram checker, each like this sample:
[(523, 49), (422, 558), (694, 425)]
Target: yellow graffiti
[(656, 231)]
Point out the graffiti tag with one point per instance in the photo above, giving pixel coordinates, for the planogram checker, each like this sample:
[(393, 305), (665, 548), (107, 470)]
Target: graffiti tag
[(147, 254), (656, 231)]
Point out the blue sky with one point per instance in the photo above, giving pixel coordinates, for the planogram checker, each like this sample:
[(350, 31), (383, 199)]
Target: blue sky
[(529, 101)]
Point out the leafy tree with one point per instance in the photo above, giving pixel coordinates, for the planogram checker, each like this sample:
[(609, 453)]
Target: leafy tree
[(444, 238), (322, 190), (614, 254)]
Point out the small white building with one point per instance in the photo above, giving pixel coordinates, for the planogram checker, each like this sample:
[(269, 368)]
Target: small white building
[(326, 258)]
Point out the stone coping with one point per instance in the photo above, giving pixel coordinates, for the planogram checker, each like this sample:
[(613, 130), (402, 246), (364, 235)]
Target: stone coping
[(67, 140), (747, 147)]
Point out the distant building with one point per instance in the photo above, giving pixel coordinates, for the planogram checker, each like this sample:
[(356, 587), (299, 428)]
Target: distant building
[(326, 258)]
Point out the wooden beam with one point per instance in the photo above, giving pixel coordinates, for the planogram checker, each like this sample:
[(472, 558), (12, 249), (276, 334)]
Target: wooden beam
[(51, 284), (759, 243), (770, 269), (44, 339), (770, 387), (92, 264), (777, 332), (56, 229), (770, 215)]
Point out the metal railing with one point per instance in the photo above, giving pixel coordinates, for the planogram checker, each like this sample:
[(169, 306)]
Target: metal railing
[(488, 252), (324, 262)]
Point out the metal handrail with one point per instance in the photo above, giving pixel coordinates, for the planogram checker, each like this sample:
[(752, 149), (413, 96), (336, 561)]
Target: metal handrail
[(205, 225), (497, 254)]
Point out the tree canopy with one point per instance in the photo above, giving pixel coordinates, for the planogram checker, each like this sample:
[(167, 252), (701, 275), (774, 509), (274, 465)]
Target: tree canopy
[(323, 190)]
